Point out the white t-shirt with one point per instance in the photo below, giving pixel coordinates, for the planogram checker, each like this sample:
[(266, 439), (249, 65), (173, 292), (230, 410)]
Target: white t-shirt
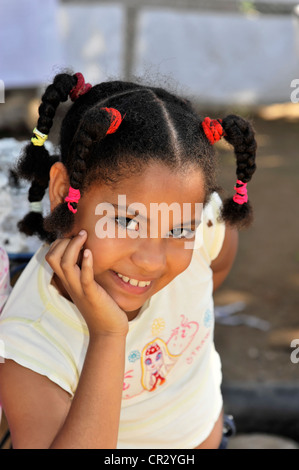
[(171, 389)]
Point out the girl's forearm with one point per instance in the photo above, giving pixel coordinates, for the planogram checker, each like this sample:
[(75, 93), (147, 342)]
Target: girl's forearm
[(93, 418)]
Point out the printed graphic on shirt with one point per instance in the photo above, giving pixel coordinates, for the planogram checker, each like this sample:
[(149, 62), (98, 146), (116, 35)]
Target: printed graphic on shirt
[(134, 355), (208, 318), (182, 336), (195, 351), (156, 361), (128, 375), (158, 326), (150, 366)]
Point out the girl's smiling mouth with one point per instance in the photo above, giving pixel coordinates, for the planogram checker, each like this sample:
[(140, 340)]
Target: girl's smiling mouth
[(130, 284)]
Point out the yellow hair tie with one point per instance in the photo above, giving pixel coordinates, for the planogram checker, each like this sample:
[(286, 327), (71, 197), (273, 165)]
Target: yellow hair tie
[(39, 138)]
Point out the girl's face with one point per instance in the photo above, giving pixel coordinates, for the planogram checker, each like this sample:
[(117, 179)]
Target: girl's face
[(146, 252)]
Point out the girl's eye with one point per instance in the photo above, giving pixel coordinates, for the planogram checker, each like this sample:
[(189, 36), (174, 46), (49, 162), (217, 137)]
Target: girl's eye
[(127, 223), (159, 355), (148, 362), (182, 232)]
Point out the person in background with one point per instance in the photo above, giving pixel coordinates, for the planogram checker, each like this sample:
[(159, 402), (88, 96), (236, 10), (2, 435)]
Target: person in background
[(5, 287)]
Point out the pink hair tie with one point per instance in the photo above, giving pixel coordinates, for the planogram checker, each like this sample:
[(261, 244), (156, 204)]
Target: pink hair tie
[(81, 87), (241, 193), (73, 196)]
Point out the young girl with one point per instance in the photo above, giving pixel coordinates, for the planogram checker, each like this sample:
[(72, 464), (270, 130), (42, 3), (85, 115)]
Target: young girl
[(109, 332)]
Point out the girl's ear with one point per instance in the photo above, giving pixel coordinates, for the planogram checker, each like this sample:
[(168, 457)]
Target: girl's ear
[(59, 184)]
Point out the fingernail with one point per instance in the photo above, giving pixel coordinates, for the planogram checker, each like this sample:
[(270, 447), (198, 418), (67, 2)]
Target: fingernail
[(82, 233)]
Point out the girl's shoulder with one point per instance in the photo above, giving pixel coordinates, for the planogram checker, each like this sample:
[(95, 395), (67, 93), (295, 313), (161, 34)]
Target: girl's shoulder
[(26, 287), (39, 329)]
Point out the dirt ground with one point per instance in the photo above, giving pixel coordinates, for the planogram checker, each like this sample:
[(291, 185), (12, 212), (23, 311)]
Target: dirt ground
[(266, 272)]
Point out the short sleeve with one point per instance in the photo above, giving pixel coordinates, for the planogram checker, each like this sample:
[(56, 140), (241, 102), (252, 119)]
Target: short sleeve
[(41, 330), (213, 229), (31, 345), (5, 287)]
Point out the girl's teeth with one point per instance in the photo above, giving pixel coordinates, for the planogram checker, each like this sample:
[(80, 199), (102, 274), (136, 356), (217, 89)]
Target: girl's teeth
[(143, 283), (134, 282)]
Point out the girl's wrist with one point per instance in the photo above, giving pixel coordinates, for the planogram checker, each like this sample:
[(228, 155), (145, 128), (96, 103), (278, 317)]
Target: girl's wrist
[(101, 344), (96, 336)]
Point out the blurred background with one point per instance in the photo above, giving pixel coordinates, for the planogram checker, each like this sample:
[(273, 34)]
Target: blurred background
[(226, 56)]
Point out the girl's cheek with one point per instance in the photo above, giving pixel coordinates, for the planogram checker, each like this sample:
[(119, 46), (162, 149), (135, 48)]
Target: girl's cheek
[(182, 258), (106, 251)]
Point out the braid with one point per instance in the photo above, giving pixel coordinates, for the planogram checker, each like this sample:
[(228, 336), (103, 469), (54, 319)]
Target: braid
[(35, 162), (240, 134), (32, 223), (95, 125)]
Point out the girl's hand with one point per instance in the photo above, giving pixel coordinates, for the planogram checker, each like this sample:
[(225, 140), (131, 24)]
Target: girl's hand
[(101, 313)]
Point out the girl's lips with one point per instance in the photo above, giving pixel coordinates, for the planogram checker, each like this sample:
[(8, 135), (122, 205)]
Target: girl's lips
[(128, 287)]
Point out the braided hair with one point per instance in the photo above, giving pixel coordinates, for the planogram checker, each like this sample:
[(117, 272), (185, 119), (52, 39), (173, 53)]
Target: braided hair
[(114, 129), (35, 162), (241, 136)]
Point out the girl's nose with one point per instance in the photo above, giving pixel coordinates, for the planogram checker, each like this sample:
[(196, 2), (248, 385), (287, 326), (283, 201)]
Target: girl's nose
[(150, 256)]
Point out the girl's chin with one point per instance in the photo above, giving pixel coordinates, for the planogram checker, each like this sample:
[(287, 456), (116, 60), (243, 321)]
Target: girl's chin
[(129, 298), (133, 314), (130, 307)]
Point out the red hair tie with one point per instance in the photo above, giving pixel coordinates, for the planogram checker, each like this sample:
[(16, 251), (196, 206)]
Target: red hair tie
[(73, 196), (213, 129), (115, 118), (81, 87), (241, 193)]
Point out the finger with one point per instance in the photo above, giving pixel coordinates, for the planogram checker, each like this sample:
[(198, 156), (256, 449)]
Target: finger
[(55, 253), (90, 287), (56, 243), (87, 274), (69, 260)]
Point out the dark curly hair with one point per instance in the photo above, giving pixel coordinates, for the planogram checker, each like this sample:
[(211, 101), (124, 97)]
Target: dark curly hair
[(156, 126)]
